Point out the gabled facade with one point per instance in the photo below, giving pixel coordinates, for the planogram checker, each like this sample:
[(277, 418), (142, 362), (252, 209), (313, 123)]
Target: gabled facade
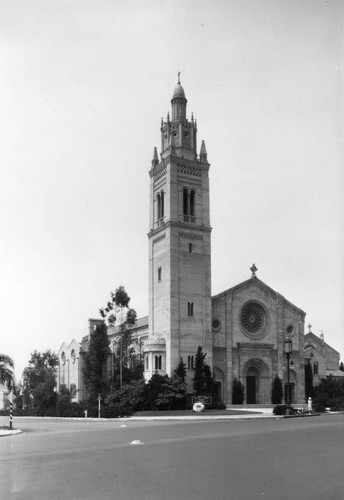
[(69, 371), (250, 323), (323, 359)]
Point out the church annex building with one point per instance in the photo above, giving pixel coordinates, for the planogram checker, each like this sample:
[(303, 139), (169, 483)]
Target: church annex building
[(242, 329)]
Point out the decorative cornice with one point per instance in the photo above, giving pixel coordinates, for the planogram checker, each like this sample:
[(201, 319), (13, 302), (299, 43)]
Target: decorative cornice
[(190, 236), (256, 289), (160, 174), (254, 345), (189, 170)]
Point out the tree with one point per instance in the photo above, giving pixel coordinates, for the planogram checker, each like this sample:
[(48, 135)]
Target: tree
[(6, 371), (277, 391), (309, 389), (39, 380), (95, 363), (118, 314), (164, 393), (180, 371), (202, 380), (238, 392), (341, 366)]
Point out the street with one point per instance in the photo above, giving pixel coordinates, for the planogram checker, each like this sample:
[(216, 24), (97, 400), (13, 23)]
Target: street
[(279, 459)]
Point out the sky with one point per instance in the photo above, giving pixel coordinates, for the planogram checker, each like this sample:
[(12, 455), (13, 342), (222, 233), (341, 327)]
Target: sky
[(83, 88)]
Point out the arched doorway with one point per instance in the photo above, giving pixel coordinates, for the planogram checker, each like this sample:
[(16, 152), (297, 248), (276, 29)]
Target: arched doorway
[(257, 382), (252, 385), (219, 387)]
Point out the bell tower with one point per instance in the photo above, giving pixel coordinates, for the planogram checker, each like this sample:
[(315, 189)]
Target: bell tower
[(179, 246)]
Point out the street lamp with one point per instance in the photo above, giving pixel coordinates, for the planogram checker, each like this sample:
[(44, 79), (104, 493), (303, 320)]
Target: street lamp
[(288, 347)]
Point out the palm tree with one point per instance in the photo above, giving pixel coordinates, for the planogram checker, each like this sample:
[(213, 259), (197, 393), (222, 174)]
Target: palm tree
[(6, 371)]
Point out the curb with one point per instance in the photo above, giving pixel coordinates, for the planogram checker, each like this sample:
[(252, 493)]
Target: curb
[(4, 432)]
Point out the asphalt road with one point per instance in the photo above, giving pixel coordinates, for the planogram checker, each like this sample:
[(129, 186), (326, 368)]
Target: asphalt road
[(275, 459)]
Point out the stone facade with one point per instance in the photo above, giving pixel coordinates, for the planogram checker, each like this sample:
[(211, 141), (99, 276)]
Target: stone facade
[(322, 357), (250, 323)]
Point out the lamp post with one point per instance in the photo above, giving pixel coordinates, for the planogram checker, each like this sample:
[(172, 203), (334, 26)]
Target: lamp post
[(288, 347)]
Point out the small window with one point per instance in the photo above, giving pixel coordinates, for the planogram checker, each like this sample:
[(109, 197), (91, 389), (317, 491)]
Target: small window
[(190, 362), (190, 308), (190, 248), (316, 368), (147, 363), (159, 273)]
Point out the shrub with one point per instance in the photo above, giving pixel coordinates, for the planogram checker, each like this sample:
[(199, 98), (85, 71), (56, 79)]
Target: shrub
[(238, 392), (282, 410), (276, 391)]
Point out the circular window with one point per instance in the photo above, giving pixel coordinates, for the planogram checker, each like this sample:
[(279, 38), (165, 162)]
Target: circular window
[(290, 329), (216, 325), (253, 320)]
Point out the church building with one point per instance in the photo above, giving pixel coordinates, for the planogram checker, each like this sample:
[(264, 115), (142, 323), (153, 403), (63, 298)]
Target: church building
[(242, 330)]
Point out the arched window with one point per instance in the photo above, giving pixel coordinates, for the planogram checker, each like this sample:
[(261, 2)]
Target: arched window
[(147, 363), (158, 362), (316, 368), (189, 209), (159, 273), (185, 204), (190, 309), (160, 202), (192, 206)]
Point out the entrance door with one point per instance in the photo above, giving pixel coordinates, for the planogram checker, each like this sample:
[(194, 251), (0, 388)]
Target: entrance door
[(251, 389)]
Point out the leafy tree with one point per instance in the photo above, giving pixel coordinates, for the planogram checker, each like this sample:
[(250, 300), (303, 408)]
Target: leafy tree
[(95, 363), (202, 380), (6, 371), (64, 400), (329, 393), (309, 389), (238, 392), (127, 399), (277, 391), (164, 393), (180, 371), (118, 314), (341, 366), (39, 380)]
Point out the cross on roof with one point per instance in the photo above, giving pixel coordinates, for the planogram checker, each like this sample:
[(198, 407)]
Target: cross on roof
[(178, 76), (310, 328), (254, 269)]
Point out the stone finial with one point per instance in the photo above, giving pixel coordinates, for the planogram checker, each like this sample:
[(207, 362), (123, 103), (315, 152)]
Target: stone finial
[(155, 159), (254, 269), (203, 152)]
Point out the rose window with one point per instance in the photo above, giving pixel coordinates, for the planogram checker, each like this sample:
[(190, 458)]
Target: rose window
[(253, 320)]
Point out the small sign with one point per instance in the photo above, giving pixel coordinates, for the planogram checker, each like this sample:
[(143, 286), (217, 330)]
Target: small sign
[(206, 400)]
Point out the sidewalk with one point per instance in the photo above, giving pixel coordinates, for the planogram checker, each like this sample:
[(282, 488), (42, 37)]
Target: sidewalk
[(187, 415)]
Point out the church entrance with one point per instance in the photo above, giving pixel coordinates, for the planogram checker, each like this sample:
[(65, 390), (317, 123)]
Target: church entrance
[(251, 387), (258, 382)]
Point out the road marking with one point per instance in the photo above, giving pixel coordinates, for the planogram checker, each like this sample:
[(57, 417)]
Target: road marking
[(136, 442)]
